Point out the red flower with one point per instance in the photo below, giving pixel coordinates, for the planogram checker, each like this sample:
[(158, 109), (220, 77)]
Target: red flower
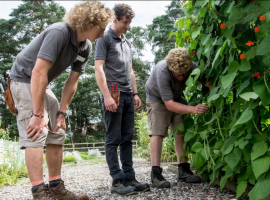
[(186, 37), (252, 1), (257, 29), (183, 1), (257, 76), (262, 18), (194, 53), (249, 43), (242, 56), (222, 26)]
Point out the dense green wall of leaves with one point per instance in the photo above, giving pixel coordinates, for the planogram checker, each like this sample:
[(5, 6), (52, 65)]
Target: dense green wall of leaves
[(230, 40)]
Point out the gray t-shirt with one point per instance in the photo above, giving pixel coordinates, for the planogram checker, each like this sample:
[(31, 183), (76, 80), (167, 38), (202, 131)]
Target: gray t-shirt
[(116, 53), (56, 44), (162, 86)]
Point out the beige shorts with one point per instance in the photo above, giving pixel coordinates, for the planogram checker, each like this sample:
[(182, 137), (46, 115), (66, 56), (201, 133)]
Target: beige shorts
[(160, 119), (21, 93)]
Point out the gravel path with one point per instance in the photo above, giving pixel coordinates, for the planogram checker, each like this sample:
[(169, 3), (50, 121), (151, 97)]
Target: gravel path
[(95, 181)]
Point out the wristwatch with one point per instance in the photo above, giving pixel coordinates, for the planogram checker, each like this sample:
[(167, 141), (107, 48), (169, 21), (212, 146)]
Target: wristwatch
[(135, 94), (61, 113)]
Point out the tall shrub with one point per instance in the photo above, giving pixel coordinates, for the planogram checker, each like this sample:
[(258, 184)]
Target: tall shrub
[(230, 40)]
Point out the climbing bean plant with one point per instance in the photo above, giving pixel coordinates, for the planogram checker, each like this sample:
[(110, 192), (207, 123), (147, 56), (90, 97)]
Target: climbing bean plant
[(231, 42)]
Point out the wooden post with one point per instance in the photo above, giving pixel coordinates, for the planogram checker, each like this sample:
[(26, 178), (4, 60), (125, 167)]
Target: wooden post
[(73, 147)]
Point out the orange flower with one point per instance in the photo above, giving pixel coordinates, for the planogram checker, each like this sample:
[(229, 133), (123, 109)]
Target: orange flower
[(257, 76), (222, 26), (257, 29), (194, 53), (249, 43), (262, 18), (242, 56)]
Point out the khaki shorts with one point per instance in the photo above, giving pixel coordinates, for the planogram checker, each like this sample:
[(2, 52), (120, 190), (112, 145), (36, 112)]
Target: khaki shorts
[(160, 119), (21, 93)]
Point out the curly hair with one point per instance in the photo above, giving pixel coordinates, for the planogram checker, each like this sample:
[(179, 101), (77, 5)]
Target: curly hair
[(178, 60), (87, 15), (122, 10)]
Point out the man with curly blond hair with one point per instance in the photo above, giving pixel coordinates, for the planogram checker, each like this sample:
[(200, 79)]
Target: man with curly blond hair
[(40, 119), (113, 68), (165, 106)]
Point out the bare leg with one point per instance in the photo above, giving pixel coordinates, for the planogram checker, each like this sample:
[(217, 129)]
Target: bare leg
[(155, 149), (54, 155), (34, 163), (179, 143)]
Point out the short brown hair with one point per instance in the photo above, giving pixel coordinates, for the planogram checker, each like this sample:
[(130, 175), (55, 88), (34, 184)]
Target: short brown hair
[(87, 15), (121, 10), (178, 60)]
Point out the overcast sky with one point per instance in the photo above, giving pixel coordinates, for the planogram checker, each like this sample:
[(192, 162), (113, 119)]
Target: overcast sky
[(145, 12)]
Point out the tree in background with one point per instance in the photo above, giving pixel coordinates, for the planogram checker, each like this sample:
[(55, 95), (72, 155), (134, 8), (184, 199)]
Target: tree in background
[(160, 29)]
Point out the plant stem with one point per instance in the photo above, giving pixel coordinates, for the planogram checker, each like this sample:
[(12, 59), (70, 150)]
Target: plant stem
[(256, 127)]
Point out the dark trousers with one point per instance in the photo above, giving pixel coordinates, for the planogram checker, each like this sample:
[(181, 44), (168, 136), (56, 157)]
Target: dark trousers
[(119, 132)]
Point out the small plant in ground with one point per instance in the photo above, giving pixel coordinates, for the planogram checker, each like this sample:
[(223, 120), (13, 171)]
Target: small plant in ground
[(141, 125), (12, 166), (85, 156), (70, 158)]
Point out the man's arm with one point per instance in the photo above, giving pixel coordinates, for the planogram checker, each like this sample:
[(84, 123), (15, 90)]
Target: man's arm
[(68, 92), (39, 82), (102, 84), (184, 109), (137, 99)]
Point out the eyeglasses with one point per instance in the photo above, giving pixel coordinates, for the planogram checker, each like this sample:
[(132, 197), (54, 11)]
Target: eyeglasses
[(179, 75)]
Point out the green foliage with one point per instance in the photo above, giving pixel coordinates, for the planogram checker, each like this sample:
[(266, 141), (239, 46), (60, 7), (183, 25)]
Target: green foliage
[(161, 27), (69, 158), (85, 156), (230, 40), (142, 130), (168, 150), (12, 166)]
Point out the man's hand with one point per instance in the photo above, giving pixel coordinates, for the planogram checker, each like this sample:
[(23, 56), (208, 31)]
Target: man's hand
[(200, 109), (110, 104), (35, 127), (60, 123), (137, 101)]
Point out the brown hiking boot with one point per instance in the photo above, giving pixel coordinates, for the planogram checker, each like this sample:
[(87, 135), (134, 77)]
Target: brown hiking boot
[(61, 193), (43, 193)]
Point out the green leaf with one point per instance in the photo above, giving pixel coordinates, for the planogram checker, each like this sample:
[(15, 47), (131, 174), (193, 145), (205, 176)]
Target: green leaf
[(171, 34), (241, 188), (222, 48), (218, 144), (266, 60), (260, 190), (265, 4), (195, 34), (260, 88), (230, 7), (196, 147), (180, 127), (260, 165), (188, 136), (216, 57), (227, 80), (243, 144), (232, 70), (249, 95), (245, 65), (239, 141), (267, 16), (189, 82), (263, 48), (233, 158), (223, 182), (245, 117), (198, 161), (213, 97), (258, 150), (243, 86), (228, 145), (251, 53), (206, 39)]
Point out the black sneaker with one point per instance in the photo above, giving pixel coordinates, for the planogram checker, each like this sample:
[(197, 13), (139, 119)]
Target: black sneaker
[(158, 181), (119, 187), (139, 186), (186, 175)]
